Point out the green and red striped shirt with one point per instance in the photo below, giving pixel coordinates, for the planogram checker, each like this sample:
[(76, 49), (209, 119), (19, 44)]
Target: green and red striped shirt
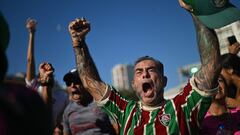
[(181, 115)]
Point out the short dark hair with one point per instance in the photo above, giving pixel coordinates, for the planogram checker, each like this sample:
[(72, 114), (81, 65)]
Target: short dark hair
[(231, 61), (160, 66)]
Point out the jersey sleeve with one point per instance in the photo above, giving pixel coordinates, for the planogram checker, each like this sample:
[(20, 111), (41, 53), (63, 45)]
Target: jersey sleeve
[(193, 103), (115, 105)]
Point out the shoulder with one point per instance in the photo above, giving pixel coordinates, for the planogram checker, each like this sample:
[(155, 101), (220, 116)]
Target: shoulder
[(69, 106)]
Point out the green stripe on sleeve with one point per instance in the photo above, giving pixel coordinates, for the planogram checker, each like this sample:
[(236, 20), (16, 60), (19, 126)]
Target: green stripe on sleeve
[(192, 101), (113, 110)]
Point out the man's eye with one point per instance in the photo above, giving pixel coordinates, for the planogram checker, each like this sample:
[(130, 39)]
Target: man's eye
[(220, 80), (138, 72), (152, 70)]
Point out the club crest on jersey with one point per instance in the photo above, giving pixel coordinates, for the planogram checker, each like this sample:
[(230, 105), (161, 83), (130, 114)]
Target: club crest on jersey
[(165, 119)]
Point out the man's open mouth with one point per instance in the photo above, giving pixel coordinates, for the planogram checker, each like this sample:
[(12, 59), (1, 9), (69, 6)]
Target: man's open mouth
[(76, 94), (146, 87)]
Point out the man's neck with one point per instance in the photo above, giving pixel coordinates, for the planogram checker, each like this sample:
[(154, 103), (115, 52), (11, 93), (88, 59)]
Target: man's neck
[(150, 108)]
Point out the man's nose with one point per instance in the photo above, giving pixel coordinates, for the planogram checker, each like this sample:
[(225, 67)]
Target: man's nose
[(72, 85), (146, 74)]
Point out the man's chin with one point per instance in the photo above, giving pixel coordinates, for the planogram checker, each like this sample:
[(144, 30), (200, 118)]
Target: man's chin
[(148, 101), (76, 100)]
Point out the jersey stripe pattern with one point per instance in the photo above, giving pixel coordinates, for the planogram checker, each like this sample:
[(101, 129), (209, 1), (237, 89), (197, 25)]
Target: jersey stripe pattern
[(181, 115)]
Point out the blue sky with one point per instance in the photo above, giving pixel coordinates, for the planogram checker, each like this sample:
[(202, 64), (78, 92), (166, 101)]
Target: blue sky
[(121, 31)]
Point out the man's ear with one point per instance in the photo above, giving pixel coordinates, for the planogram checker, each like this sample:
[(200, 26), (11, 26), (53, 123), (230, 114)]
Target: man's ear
[(164, 81), (133, 85)]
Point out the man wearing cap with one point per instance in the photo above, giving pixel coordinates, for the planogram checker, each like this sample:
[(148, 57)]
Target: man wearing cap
[(82, 116)]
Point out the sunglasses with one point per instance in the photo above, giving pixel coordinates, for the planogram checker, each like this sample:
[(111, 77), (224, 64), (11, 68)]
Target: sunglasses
[(74, 81)]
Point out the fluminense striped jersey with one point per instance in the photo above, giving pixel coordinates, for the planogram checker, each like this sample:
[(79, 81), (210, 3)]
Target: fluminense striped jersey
[(181, 115)]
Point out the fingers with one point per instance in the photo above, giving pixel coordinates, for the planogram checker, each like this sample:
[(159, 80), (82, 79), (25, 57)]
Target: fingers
[(79, 24), (237, 45), (31, 24), (41, 65), (78, 29), (31, 21), (46, 77), (234, 48), (185, 6), (46, 67)]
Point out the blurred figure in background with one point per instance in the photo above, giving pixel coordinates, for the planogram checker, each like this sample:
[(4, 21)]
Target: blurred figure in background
[(22, 110), (223, 116), (54, 97), (231, 73)]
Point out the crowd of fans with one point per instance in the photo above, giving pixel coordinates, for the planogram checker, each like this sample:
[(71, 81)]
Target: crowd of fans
[(35, 104)]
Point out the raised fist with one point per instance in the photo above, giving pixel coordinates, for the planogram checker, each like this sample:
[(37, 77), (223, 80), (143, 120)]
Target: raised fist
[(46, 73), (31, 25), (78, 30)]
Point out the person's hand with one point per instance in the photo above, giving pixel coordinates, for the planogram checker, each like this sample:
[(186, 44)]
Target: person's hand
[(31, 25), (78, 29), (234, 48), (232, 103), (185, 6), (46, 73)]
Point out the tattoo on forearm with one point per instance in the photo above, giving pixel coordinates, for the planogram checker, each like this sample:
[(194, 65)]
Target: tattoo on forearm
[(87, 70), (209, 52), (94, 86)]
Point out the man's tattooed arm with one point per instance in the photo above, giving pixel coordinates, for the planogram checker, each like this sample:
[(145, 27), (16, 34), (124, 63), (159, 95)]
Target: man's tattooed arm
[(86, 68), (88, 72), (206, 78)]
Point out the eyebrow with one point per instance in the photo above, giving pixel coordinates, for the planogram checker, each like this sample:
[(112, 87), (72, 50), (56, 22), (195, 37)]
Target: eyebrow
[(151, 67)]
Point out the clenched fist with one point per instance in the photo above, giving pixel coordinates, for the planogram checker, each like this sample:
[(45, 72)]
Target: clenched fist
[(46, 74), (78, 30), (31, 25)]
